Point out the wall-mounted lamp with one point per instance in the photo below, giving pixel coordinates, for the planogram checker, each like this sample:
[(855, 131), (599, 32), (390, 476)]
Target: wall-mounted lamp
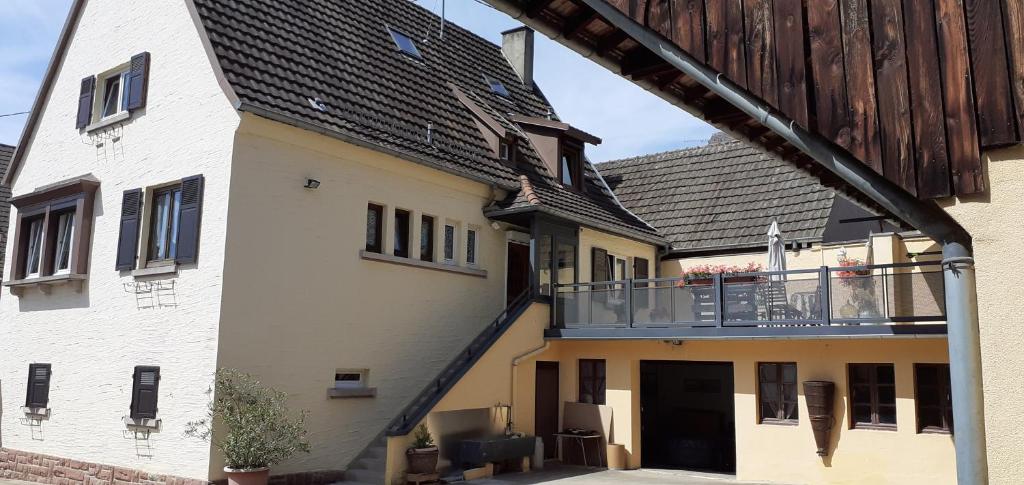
[(312, 184)]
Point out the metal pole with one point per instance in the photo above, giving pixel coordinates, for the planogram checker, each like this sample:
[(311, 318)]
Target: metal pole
[(965, 365)]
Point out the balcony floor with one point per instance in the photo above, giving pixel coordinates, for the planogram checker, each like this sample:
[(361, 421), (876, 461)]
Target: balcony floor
[(808, 332)]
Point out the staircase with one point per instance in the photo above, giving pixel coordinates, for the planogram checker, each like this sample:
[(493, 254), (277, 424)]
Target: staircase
[(368, 467)]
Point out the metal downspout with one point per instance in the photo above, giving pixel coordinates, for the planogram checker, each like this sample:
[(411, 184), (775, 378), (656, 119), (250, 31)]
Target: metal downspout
[(958, 268)]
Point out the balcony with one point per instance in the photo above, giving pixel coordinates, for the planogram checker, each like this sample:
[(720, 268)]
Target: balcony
[(888, 300)]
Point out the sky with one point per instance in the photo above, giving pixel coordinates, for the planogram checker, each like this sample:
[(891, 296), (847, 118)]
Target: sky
[(630, 120)]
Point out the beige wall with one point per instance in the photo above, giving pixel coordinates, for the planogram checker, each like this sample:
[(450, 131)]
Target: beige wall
[(615, 245), (995, 222), (300, 302)]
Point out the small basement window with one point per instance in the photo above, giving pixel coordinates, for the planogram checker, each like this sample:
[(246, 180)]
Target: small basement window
[(496, 86), (405, 44), (349, 379)]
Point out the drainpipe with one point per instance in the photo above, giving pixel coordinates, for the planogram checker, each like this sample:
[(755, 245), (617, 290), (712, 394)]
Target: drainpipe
[(515, 368), (958, 268)]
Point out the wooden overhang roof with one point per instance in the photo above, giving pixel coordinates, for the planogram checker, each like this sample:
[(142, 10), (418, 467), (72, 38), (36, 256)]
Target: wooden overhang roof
[(913, 89)]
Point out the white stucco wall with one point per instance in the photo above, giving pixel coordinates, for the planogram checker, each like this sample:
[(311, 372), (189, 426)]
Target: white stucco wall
[(299, 301), (94, 338)]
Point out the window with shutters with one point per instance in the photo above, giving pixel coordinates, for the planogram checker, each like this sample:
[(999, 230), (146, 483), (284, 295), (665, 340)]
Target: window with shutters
[(38, 394), (872, 396), (145, 387), (777, 392), (934, 398), (592, 381), (51, 236), (111, 96), (160, 225)]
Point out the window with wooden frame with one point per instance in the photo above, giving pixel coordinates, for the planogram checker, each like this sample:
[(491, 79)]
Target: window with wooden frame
[(570, 165), (427, 238), (38, 393), (777, 393), (402, 222), (114, 94), (145, 392), (172, 214), (374, 228), (52, 233), (934, 398), (592, 381), (872, 396)]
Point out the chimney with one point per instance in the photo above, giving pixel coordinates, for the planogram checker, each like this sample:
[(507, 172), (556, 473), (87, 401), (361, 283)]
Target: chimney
[(517, 45)]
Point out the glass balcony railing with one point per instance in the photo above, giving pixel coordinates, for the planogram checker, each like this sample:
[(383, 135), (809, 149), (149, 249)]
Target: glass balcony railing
[(860, 295)]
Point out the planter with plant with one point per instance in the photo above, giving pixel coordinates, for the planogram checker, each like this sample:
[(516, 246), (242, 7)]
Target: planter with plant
[(251, 426), (423, 454), (702, 275)]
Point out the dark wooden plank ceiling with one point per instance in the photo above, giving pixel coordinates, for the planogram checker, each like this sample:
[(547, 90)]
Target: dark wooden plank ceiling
[(915, 89)]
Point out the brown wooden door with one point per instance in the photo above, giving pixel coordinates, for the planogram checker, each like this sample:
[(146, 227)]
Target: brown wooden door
[(546, 402), (518, 270)]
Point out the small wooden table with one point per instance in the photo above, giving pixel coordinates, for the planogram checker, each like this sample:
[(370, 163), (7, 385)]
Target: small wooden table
[(580, 439)]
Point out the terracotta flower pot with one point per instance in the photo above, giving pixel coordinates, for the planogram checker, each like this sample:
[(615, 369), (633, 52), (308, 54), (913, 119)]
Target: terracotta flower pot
[(253, 476), (422, 460)]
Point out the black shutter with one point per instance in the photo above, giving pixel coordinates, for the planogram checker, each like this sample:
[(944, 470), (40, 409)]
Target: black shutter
[(599, 270), (128, 240), (38, 394), (189, 219), (85, 102), (138, 82), (146, 382)]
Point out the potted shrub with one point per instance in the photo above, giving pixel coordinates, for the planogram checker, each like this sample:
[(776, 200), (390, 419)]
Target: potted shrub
[(423, 454), (702, 275), (251, 425)]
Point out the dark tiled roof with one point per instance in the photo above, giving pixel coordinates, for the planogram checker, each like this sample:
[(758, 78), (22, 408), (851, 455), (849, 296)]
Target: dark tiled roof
[(6, 152), (277, 54), (722, 195)]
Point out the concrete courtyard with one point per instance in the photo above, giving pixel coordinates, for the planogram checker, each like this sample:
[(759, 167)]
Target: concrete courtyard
[(560, 475)]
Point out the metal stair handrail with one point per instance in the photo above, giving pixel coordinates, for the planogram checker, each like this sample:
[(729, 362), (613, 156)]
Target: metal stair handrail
[(416, 410)]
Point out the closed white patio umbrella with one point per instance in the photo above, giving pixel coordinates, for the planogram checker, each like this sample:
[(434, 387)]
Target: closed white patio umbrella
[(776, 251)]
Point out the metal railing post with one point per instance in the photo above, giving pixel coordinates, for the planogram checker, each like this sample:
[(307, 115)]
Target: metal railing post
[(672, 301), (719, 299), (825, 295), (629, 303), (885, 293)]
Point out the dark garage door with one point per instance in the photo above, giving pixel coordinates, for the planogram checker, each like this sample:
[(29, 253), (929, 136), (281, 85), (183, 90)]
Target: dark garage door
[(687, 415)]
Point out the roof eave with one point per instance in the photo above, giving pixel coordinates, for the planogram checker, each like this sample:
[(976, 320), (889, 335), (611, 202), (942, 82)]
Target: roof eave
[(587, 222), (338, 135)]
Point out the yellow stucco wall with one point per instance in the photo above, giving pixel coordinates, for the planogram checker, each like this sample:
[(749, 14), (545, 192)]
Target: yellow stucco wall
[(784, 453), (627, 249), (996, 224), (299, 302)]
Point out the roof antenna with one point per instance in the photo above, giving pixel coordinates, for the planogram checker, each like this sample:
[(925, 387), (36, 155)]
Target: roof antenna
[(430, 133), (441, 35)]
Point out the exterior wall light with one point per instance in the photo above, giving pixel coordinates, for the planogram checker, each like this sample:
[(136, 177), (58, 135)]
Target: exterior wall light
[(312, 184)]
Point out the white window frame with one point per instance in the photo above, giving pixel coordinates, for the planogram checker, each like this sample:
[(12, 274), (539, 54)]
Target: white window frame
[(613, 267), (476, 245), (145, 232), (455, 242), (121, 71), (64, 242), (40, 237), (362, 383)]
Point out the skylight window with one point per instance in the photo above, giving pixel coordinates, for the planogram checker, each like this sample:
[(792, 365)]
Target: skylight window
[(496, 86), (405, 43)]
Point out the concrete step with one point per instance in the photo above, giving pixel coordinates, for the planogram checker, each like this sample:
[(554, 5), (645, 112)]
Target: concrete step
[(376, 452), (366, 476), (367, 463)]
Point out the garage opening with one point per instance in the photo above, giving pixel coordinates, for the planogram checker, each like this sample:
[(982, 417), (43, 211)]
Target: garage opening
[(686, 415)]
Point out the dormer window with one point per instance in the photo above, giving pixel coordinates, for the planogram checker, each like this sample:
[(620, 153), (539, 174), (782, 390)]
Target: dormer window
[(571, 166), (496, 86), (405, 44), (504, 151)]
